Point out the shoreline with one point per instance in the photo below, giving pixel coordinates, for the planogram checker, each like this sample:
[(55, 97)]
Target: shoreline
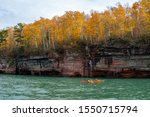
[(135, 74)]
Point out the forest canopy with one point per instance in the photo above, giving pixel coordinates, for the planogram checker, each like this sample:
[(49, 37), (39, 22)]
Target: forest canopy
[(120, 25)]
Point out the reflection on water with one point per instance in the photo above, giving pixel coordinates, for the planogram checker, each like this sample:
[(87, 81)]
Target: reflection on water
[(53, 88)]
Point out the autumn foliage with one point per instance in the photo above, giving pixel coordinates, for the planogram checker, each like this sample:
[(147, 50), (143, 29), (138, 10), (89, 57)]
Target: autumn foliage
[(120, 24)]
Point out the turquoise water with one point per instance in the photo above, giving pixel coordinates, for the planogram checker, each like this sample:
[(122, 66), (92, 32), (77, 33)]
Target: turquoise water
[(53, 88)]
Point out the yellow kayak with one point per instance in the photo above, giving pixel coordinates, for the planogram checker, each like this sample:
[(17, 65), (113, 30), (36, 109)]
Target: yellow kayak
[(92, 81)]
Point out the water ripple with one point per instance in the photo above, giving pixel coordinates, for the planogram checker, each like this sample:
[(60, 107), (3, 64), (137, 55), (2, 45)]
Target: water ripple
[(32, 87)]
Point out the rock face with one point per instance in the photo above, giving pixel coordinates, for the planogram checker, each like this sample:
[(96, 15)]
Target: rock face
[(37, 65), (135, 66), (142, 61), (108, 63), (5, 67), (71, 66)]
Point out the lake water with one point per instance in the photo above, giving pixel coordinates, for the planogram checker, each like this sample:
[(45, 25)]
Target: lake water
[(62, 88)]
